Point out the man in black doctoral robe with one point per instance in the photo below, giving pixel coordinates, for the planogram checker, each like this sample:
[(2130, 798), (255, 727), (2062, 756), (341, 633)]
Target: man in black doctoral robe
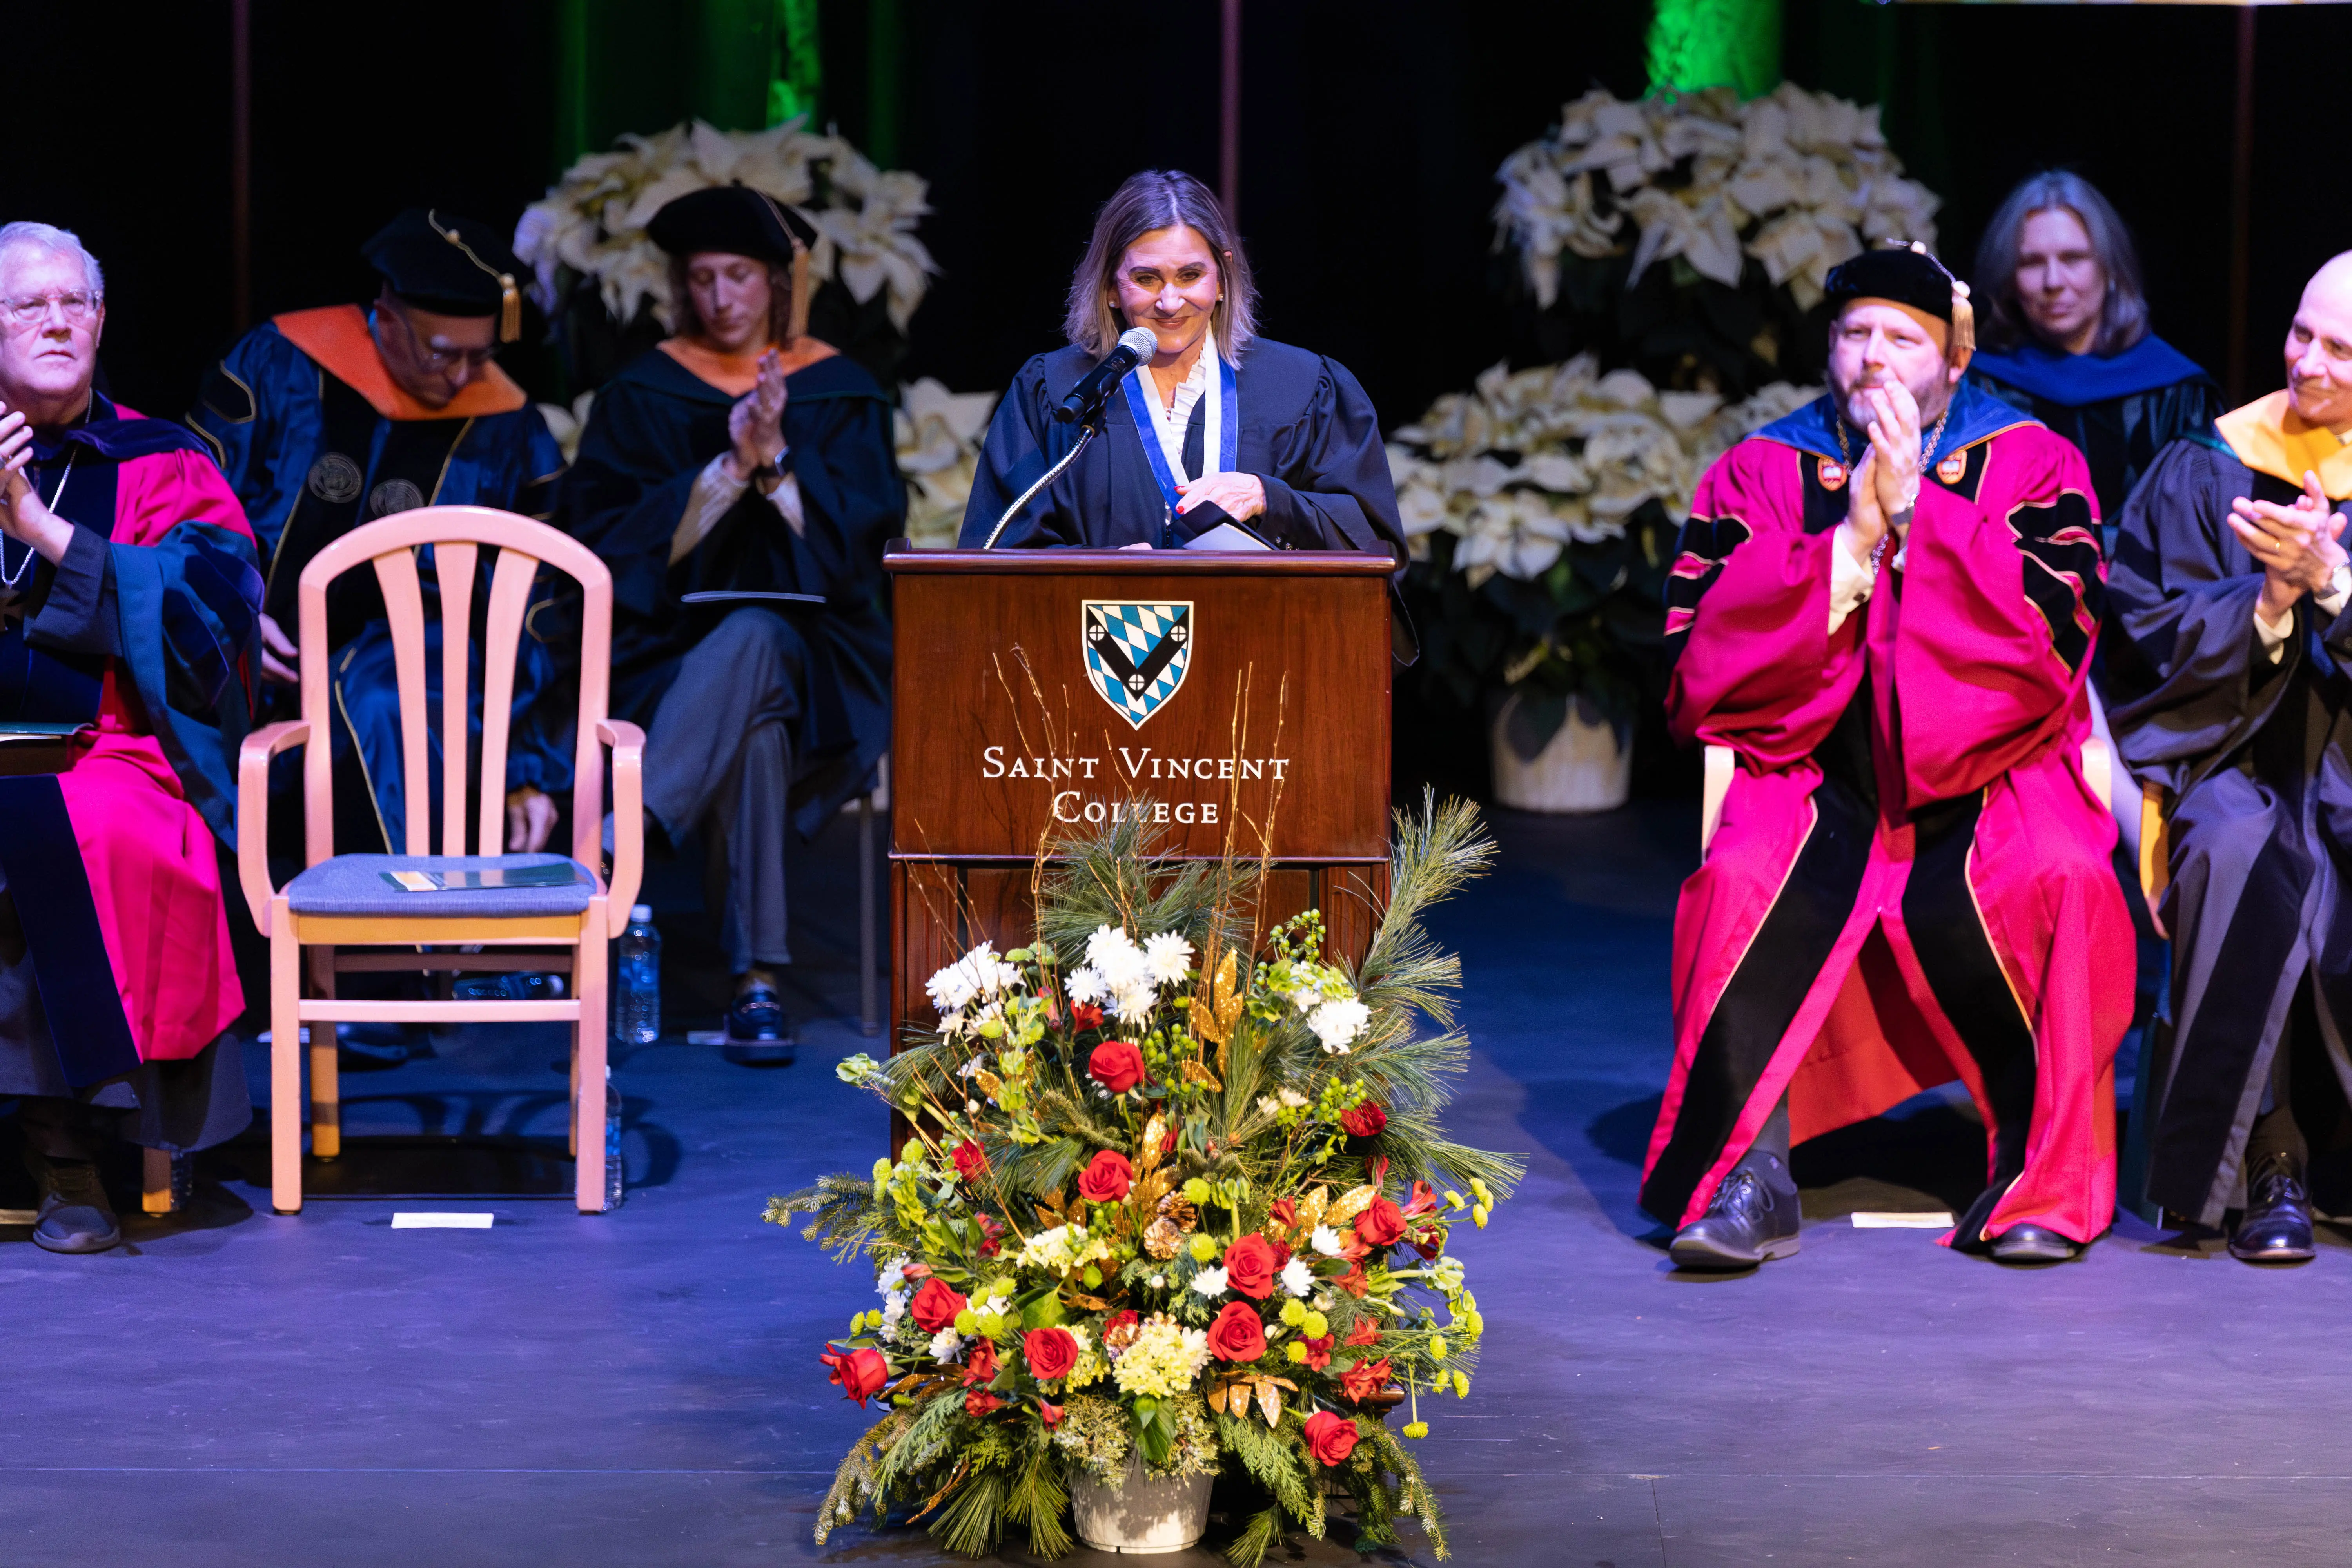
[(2231, 583)]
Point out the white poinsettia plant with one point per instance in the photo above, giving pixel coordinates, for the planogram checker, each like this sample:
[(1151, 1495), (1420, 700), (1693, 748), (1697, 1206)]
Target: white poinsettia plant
[(1797, 180), (938, 438), (592, 222), (1530, 463)]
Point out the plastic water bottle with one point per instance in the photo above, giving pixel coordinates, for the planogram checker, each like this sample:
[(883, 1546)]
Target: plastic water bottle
[(614, 1188), (636, 981)]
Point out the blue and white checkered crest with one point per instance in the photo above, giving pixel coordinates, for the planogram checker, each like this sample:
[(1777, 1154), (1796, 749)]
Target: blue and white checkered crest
[(1136, 653)]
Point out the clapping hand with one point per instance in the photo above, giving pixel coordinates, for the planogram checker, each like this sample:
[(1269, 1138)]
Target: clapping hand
[(2299, 546), (1894, 442), (755, 425), (24, 516)]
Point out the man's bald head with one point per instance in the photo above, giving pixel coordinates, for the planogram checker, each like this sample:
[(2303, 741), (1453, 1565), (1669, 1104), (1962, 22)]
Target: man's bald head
[(2319, 347)]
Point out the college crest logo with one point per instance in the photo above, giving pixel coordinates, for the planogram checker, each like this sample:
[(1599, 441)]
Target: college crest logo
[(1136, 653)]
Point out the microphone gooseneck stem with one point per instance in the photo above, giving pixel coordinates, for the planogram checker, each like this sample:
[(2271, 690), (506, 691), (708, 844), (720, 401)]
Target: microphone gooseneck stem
[(1087, 434)]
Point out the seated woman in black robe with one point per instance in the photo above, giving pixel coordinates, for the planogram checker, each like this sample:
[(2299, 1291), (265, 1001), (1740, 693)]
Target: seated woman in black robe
[(1219, 424), (741, 455)]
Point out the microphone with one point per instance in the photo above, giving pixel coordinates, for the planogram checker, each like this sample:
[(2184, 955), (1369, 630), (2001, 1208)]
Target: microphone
[(1135, 345)]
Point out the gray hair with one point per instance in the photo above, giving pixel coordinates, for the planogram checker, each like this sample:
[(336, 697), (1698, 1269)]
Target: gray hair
[(1156, 199), (58, 242), (2001, 320)]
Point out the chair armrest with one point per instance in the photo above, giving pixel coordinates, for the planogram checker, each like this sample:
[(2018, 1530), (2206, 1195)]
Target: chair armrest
[(628, 743), (253, 811)]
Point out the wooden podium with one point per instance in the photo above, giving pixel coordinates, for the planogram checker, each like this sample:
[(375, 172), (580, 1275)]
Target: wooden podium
[(1245, 683)]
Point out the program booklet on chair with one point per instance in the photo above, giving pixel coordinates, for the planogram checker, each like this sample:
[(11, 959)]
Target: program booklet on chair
[(555, 876)]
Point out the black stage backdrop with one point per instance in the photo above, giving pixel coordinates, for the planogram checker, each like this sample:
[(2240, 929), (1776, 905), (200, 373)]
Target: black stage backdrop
[(1370, 133)]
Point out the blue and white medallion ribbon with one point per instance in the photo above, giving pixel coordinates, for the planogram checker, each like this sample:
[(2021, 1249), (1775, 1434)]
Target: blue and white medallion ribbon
[(1222, 435)]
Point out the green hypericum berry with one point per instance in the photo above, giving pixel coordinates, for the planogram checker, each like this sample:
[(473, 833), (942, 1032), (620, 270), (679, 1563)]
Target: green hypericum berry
[(1093, 1277)]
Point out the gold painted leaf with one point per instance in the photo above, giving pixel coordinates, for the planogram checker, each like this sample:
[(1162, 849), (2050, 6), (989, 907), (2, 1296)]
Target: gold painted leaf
[(1310, 1213), (1269, 1403), (990, 1084), (1147, 1153), (1357, 1201), (1194, 1072)]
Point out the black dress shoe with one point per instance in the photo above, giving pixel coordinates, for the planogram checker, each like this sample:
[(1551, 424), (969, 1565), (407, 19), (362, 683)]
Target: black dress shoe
[(2276, 1226), (1747, 1223), (370, 1047), (758, 1033), (75, 1216), (2032, 1244)]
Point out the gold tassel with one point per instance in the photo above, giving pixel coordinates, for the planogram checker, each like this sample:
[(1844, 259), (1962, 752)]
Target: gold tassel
[(510, 309), (1964, 325), (798, 324)]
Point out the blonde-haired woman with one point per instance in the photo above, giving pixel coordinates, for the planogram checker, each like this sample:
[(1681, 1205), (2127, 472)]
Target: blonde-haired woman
[(1220, 425)]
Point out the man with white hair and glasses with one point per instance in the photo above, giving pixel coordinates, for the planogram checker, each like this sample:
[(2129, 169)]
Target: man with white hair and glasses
[(128, 598)]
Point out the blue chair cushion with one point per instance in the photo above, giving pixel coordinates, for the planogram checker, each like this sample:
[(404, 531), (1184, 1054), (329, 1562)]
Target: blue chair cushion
[(354, 885)]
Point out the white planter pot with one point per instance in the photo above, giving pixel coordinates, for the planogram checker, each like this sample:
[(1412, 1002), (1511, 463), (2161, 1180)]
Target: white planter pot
[(1140, 1515), (1582, 768)]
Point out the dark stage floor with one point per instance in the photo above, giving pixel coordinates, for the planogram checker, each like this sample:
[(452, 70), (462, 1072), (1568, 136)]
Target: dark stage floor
[(641, 1388)]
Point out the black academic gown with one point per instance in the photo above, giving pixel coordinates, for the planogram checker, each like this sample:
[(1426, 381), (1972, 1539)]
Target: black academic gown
[(654, 427), (2258, 758), (1307, 432)]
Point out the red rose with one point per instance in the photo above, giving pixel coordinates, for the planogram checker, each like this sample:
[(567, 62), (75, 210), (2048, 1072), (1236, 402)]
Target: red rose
[(1364, 1379), (979, 1366), (1117, 1323), (1051, 1415), (1117, 1066), (1380, 1225), (969, 1161), (1365, 1332), (935, 1306), (861, 1373), (1085, 1015), (1250, 1267), (1318, 1353), (1330, 1438), (1105, 1178), (1364, 1121), (1051, 1352), (991, 1235), (979, 1402), (1237, 1335)]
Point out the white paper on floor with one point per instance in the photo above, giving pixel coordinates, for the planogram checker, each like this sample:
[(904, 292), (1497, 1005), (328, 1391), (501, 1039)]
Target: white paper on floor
[(1939, 1220), (439, 1220)]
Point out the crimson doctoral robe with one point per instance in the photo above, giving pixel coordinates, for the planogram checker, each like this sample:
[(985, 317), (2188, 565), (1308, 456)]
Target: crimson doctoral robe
[(1910, 882)]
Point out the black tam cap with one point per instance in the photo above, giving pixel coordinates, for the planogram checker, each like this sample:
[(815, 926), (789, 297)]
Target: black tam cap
[(1902, 271), (449, 264), (735, 219)]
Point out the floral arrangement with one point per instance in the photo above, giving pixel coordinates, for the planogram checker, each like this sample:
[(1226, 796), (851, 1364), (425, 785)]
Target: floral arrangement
[(1749, 204), (587, 235), (938, 438), (1175, 1204), (1541, 506)]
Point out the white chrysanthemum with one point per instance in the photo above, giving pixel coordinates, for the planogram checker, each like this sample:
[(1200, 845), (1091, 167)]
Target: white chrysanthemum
[(1113, 955), (893, 1275), (1169, 957), (1297, 1278), (1210, 1282), (951, 989), (947, 1344), (1133, 1004), (996, 1304), (1338, 1024), (1085, 985), (1325, 1241), (1292, 1097)]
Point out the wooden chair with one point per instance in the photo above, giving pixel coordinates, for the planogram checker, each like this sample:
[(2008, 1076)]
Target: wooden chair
[(343, 902)]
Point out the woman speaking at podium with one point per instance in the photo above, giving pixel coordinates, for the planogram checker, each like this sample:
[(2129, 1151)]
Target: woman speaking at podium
[(1217, 425)]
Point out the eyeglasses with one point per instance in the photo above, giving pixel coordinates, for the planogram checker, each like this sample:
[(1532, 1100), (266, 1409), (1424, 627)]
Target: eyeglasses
[(77, 308), (443, 359)]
